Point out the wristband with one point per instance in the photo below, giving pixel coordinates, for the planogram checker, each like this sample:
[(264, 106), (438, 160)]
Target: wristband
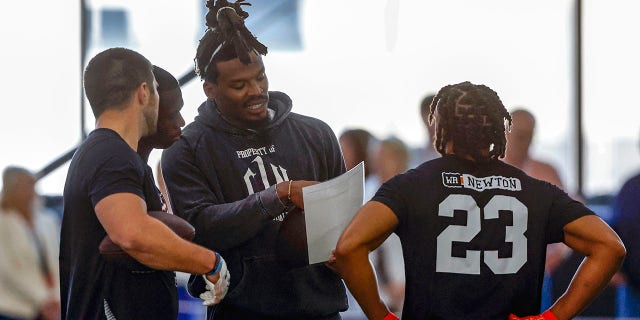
[(391, 316), (548, 315), (216, 267)]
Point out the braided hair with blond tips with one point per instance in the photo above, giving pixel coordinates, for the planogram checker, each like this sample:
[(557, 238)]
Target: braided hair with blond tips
[(473, 118), (226, 38)]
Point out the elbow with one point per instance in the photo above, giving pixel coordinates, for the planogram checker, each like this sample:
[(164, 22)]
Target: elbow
[(618, 251), (612, 250), (127, 242), (344, 250), (349, 257)]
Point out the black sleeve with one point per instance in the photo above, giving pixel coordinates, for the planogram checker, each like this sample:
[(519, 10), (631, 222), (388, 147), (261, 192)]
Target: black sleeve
[(218, 225), (117, 174), (563, 211), (391, 195)]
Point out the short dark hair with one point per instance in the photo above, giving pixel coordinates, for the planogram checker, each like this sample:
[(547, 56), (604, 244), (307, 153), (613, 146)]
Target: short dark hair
[(473, 117), (166, 81), (113, 75), (226, 38)]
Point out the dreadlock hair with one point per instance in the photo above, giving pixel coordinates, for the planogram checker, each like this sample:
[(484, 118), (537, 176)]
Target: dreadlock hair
[(113, 75), (226, 38), (473, 118)]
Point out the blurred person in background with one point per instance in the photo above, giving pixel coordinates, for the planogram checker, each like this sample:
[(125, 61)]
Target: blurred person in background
[(357, 146), (391, 158), (626, 221), (518, 154), (427, 152), (29, 237)]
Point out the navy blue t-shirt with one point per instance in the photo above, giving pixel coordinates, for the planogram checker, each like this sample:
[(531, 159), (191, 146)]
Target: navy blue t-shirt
[(474, 237), (104, 165)]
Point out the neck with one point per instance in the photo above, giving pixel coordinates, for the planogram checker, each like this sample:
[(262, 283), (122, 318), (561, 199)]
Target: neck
[(123, 122), (449, 151)]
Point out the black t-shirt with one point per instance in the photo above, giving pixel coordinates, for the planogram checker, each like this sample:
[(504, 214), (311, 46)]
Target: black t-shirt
[(104, 165), (474, 237)]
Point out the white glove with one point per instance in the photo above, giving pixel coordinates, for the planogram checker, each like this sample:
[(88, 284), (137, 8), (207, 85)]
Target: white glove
[(216, 291)]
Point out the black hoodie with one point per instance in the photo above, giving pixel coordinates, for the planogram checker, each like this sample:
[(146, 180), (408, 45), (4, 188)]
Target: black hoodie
[(222, 180)]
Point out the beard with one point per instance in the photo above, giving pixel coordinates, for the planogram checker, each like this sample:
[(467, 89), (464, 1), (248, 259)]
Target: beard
[(150, 113)]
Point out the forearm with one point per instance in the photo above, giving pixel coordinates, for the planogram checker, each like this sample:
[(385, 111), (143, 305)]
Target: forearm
[(222, 220), (591, 277), (228, 225), (367, 230), (156, 246), (358, 274)]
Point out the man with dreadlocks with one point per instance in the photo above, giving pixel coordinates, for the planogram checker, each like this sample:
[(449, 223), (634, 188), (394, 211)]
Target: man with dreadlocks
[(473, 229), (238, 170)]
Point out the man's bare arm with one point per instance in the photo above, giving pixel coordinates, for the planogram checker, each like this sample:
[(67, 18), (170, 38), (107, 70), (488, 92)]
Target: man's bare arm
[(604, 253), (124, 217), (373, 223)]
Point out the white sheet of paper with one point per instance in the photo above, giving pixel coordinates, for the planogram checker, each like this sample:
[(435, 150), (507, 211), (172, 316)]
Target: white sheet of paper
[(328, 208)]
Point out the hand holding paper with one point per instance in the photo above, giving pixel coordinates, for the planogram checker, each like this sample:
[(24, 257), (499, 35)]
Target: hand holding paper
[(329, 207)]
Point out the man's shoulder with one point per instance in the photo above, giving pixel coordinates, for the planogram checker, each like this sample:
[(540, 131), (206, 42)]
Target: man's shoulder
[(544, 171), (631, 186), (104, 140), (635, 180), (542, 165), (193, 132), (102, 147), (193, 129)]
